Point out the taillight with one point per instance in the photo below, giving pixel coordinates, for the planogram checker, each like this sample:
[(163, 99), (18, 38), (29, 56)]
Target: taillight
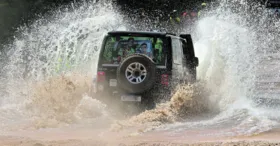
[(101, 76), (164, 79)]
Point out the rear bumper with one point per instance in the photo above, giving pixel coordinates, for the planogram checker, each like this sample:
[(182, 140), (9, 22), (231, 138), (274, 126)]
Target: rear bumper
[(103, 90), (118, 95)]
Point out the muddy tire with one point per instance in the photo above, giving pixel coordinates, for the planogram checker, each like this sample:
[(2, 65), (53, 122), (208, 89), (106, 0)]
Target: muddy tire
[(136, 74)]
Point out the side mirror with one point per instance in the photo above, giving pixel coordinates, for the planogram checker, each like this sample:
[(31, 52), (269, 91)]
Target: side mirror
[(196, 61)]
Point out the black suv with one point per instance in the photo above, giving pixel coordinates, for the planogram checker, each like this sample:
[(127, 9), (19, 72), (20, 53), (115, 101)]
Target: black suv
[(138, 66)]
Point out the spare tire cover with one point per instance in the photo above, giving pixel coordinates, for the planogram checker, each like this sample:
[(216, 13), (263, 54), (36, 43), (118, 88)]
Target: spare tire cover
[(136, 73)]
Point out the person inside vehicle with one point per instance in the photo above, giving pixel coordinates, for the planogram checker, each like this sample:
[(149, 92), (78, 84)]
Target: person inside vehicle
[(144, 50), (131, 47), (126, 50)]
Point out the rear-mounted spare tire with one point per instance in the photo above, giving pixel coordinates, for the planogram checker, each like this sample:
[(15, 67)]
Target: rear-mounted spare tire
[(136, 73)]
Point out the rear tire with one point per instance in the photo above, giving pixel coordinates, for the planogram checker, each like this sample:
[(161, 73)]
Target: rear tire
[(136, 73)]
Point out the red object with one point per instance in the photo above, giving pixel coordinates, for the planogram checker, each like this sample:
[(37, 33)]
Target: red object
[(164, 79), (100, 76), (185, 14)]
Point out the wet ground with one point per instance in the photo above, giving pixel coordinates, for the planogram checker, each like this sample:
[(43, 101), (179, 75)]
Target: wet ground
[(90, 136)]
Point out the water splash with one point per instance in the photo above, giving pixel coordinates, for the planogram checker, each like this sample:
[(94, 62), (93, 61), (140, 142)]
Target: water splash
[(188, 100), (43, 73), (72, 36), (232, 43)]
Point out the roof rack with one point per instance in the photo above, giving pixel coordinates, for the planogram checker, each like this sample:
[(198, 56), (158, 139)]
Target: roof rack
[(140, 33), (171, 34)]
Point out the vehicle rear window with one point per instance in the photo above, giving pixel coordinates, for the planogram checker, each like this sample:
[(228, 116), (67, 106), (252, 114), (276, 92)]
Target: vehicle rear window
[(118, 47)]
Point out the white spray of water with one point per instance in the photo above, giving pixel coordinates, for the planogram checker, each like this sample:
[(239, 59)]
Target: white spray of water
[(229, 50), (231, 46), (66, 42)]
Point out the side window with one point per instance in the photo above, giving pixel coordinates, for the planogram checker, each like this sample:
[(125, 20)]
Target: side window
[(177, 51), (159, 55), (108, 50)]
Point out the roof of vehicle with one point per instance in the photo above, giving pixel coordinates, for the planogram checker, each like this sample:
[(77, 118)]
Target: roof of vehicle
[(272, 3), (145, 33)]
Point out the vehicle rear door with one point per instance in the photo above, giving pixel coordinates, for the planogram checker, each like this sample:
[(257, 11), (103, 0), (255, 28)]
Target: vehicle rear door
[(177, 61)]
